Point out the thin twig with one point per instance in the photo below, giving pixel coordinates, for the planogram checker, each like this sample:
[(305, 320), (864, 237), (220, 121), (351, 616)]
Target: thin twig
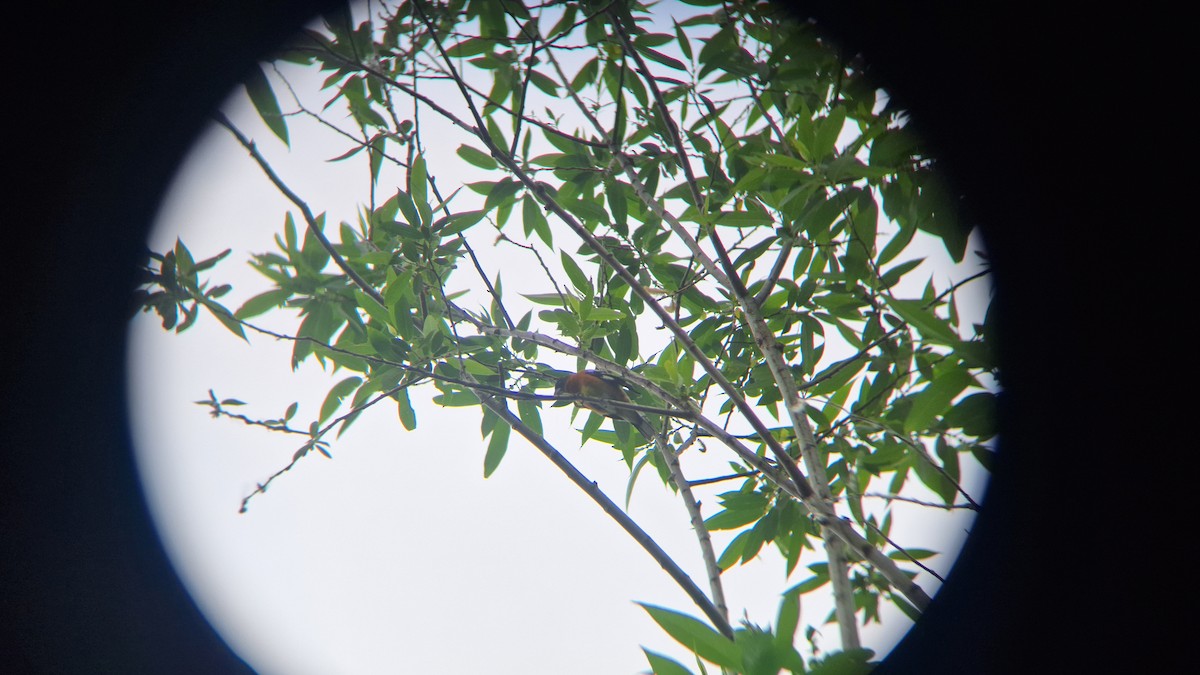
[(316, 438), (270, 425), (920, 502), (908, 555)]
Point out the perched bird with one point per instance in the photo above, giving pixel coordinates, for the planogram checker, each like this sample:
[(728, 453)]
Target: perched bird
[(595, 388)]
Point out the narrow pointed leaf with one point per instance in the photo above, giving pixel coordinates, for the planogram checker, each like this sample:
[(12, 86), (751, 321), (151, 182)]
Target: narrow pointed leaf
[(697, 636), (259, 90)]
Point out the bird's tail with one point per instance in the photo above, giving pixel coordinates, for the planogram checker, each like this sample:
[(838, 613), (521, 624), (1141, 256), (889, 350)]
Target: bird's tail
[(635, 418)]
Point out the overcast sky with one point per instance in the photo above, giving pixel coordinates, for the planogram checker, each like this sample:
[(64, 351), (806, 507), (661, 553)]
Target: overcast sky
[(396, 555)]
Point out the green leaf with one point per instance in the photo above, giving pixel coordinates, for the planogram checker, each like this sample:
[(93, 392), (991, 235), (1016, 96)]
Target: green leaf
[(744, 219), (893, 148), (460, 222), (551, 299), (499, 192), (534, 220), (496, 448), (933, 479), (587, 210), (604, 314), (697, 636), (185, 266), (661, 665), (897, 244), (933, 400), (586, 74), (289, 233), (456, 399), (225, 318), (373, 309), (734, 550), (732, 519), (684, 45), (652, 40), (788, 618), (828, 131), (912, 553), (408, 208), (477, 158), (334, 398), (208, 263), (909, 610), (378, 148), (578, 279), (892, 277), (494, 131), (929, 325), (663, 59), (760, 653), (417, 178), (975, 415), (312, 251), (824, 210), (849, 662), (544, 82), (265, 103), (408, 416), (975, 354), (470, 47), (591, 426), (615, 192), (478, 369), (810, 584), (984, 456), (839, 374), (530, 414), (262, 303)]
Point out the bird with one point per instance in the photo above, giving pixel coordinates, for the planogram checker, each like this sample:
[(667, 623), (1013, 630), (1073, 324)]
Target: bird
[(594, 388)]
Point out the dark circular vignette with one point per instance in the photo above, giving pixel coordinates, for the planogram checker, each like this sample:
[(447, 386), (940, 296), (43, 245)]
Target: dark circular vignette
[(116, 94)]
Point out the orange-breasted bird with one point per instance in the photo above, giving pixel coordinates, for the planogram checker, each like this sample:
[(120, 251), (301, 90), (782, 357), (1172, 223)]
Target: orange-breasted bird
[(596, 387)]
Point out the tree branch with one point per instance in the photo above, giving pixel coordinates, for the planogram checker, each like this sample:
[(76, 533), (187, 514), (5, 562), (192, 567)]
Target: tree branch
[(304, 210), (772, 354), (609, 507), (693, 508)]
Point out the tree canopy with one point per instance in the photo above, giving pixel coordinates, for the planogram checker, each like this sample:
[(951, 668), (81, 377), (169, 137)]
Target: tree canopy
[(716, 205)]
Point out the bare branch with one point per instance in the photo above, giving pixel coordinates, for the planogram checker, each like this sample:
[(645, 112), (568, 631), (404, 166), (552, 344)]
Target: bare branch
[(270, 425), (316, 440)]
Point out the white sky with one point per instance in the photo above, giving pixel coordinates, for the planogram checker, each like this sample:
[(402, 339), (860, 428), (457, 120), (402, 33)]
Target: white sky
[(396, 555)]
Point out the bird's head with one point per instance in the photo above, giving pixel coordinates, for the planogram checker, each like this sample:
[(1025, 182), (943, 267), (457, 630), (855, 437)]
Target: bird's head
[(561, 389)]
